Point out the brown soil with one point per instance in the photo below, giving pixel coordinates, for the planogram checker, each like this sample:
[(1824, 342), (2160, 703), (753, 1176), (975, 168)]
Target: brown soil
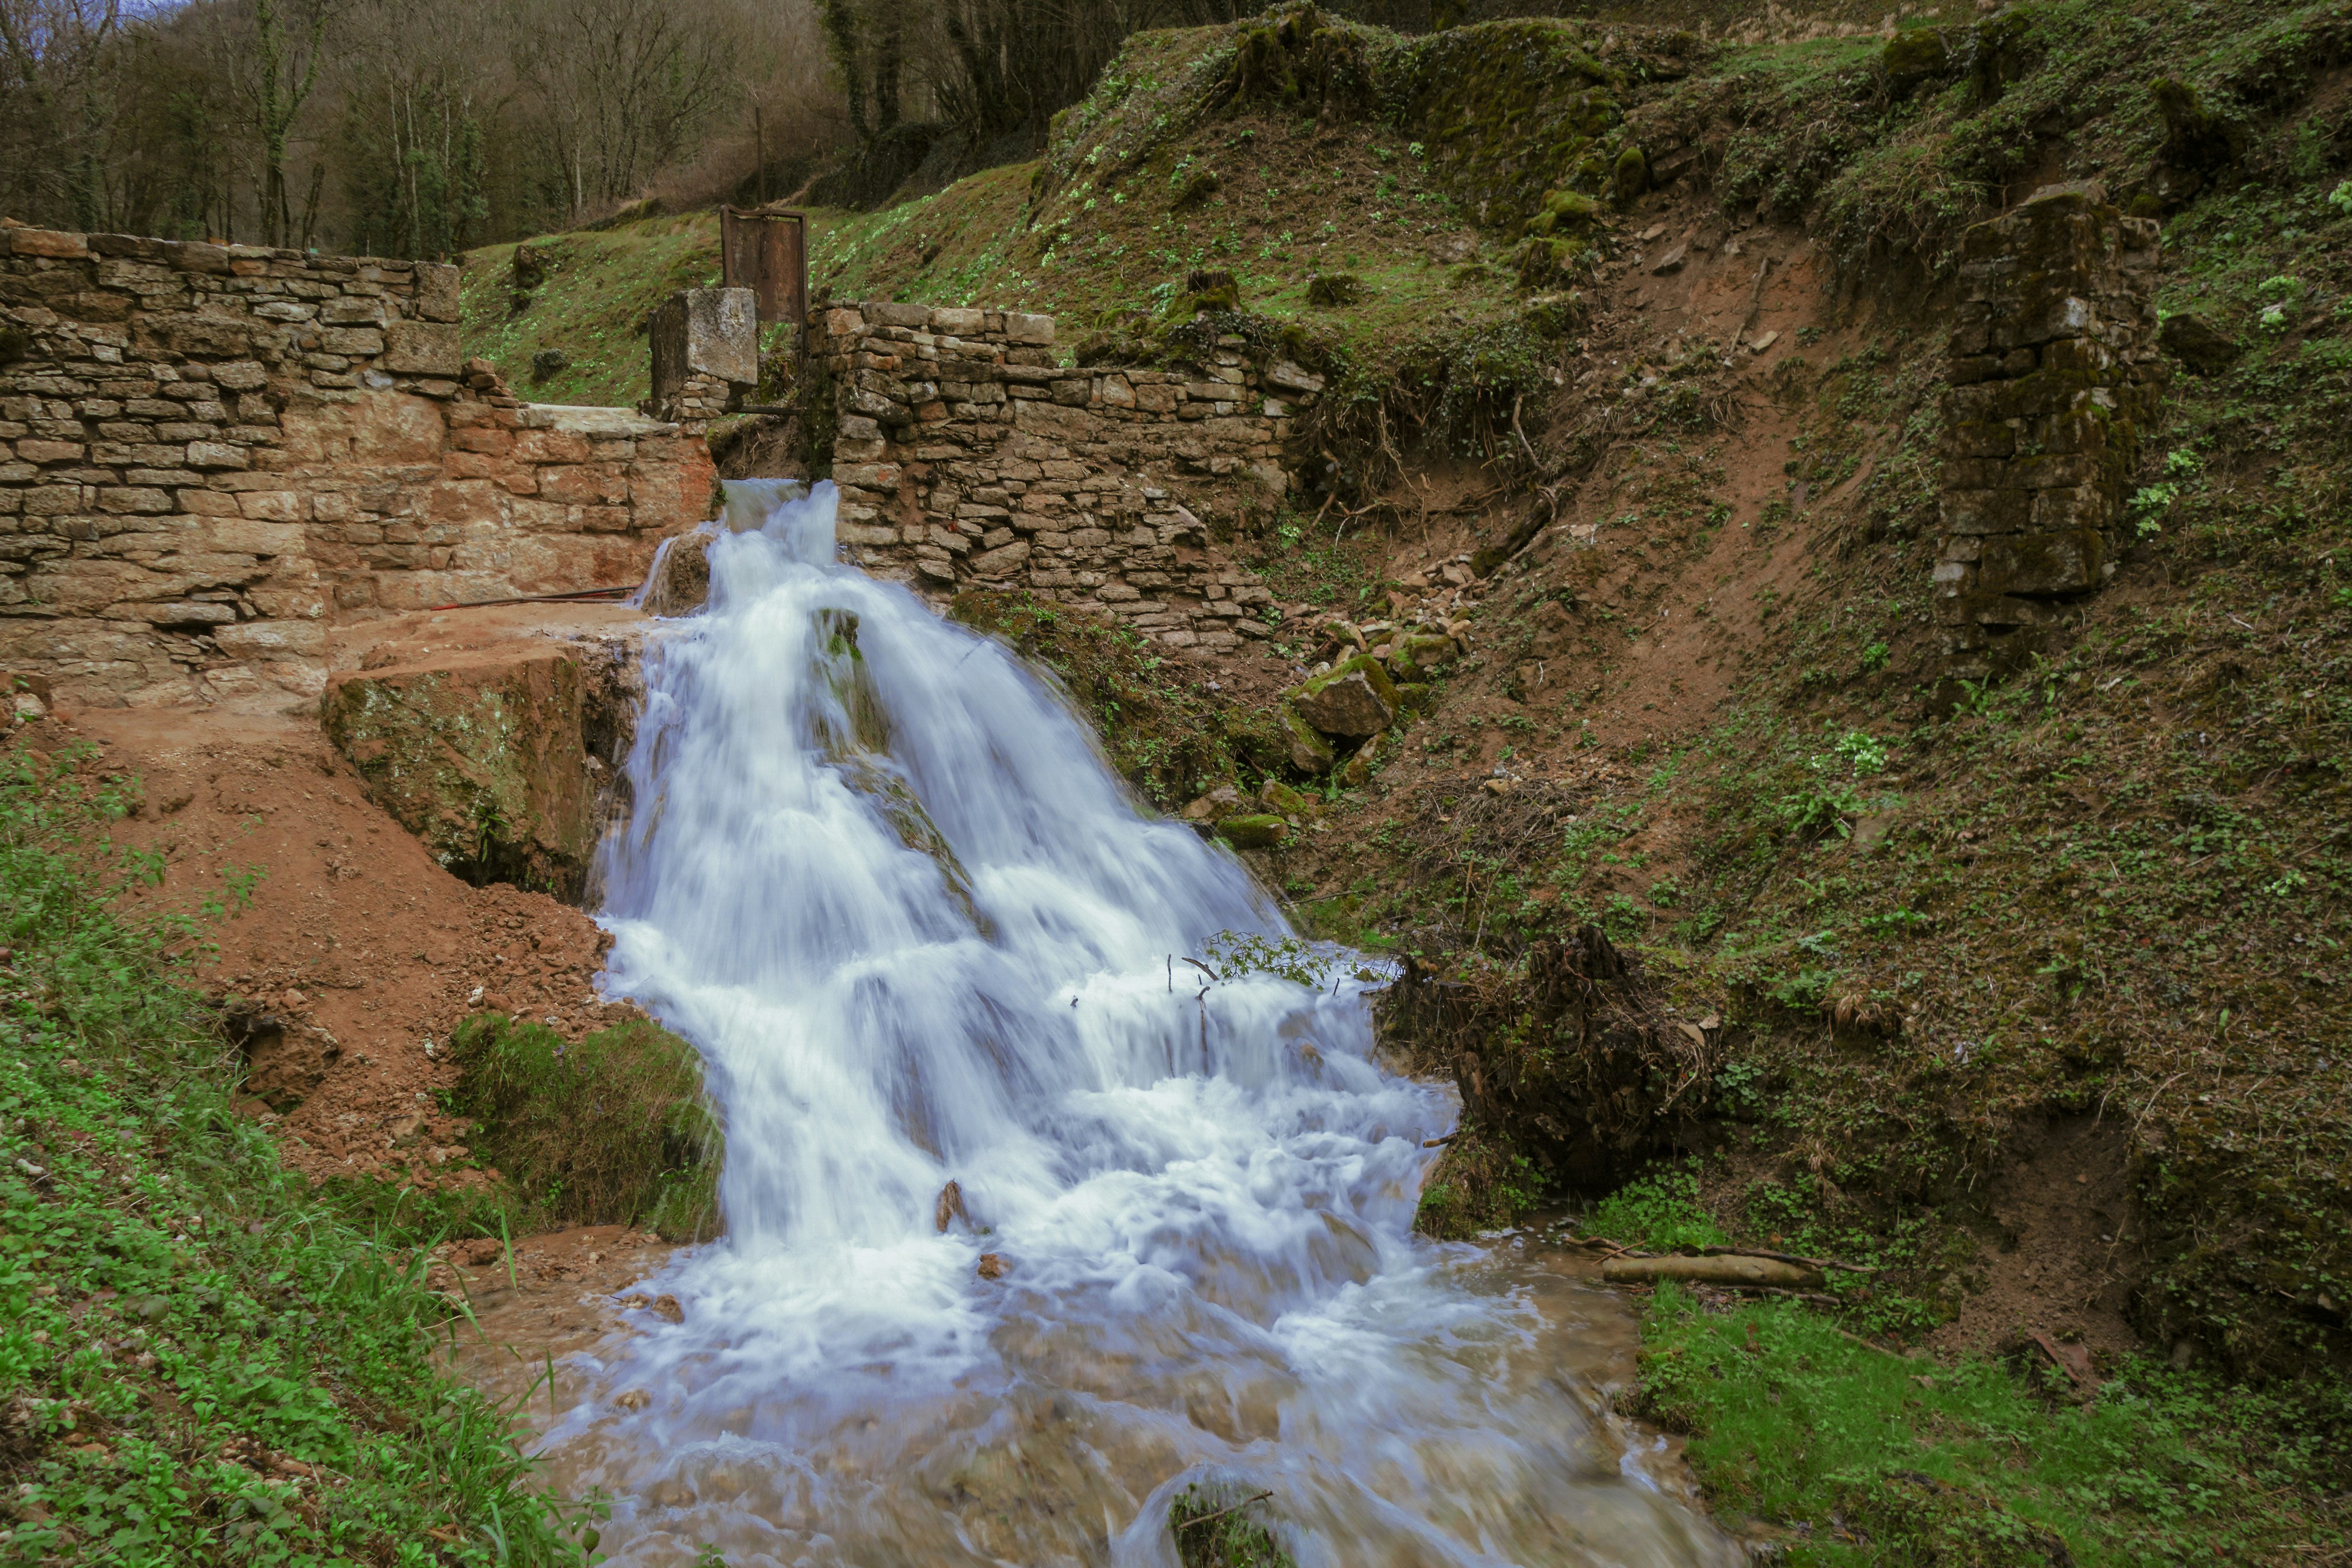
[(2066, 1254), (356, 950)]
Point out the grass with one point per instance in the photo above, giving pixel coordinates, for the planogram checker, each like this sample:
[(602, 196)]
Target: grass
[(1850, 1454), (204, 1361), (613, 1128), (1214, 1529), (599, 290)]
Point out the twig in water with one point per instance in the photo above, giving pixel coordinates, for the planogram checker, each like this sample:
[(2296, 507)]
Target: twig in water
[(1223, 1512)]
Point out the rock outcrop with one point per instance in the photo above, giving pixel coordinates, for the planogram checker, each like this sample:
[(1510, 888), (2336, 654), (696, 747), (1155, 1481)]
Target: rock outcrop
[(506, 764)]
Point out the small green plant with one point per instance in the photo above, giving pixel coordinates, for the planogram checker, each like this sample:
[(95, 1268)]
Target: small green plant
[(1213, 1529), (2148, 504), (1874, 658), (2340, 198), (1659, 1212)]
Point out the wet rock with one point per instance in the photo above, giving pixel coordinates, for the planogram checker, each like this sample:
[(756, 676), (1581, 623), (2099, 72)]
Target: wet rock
[(680, 583), (1224, 800), (1354, 699), (1260, 831), (950, 1208), (993, 1266)]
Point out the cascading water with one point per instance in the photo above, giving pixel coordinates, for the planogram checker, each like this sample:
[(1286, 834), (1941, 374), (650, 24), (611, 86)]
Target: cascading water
[(879, 875)]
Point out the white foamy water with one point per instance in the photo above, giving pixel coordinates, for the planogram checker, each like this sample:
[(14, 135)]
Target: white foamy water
[(879, 875)]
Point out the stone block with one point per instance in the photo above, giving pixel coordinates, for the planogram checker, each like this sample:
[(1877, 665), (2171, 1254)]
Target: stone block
[(2068, 509), (712, 332), (214, 455), (2063, 469), (959, 323), (423, 348), (1985, 511), (51, 243), (436, 291), (2035, 565), (1024, 328), (352, 311), (245, 536), (351, 343), (272, 505), (297, 639), (133, 498), (1979, 438)]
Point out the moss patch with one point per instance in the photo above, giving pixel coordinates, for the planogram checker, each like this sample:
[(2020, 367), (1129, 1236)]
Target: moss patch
[(610, 1129)]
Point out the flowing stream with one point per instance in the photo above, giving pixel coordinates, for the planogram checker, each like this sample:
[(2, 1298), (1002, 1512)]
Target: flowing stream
[(879, 874)]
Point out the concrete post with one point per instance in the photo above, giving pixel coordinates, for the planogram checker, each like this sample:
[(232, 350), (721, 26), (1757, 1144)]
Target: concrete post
[(706, 353)]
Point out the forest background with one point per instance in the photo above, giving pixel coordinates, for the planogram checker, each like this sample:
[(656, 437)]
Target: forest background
[(421, 128)]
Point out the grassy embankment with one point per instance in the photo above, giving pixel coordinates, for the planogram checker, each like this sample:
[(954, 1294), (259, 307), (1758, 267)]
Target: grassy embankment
[(203, 1361)]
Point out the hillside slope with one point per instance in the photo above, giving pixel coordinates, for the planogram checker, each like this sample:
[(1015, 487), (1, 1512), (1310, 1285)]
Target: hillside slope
[(2036, 1003)]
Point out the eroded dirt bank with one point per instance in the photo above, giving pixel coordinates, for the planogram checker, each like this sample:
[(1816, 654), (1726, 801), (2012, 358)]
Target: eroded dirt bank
[(345, 953)]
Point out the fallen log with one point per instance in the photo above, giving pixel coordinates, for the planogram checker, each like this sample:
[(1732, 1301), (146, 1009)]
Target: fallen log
[(1731, 1269)]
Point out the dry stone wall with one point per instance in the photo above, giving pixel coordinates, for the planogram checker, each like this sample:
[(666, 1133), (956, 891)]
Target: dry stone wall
[(212, 455), (2055, 375), (968, 455)]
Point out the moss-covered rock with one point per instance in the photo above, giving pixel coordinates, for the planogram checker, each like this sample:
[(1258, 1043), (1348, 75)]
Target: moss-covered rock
[(1913, 58), (1280, 798), (1258, 831), (1303, 746), (1352, 699), (488, 759), (1334, 290)]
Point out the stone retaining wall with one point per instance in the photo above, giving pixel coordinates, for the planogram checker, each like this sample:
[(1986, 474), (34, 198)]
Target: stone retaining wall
[(210, 454), (968, 455), (2055, 375)]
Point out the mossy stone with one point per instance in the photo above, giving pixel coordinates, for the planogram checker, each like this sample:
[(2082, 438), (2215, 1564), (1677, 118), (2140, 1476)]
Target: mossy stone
[(1630, 175), (1353, 698), (1259, 830), (1913, 58), (1277, 795), (1334, 290), (1305, 748)]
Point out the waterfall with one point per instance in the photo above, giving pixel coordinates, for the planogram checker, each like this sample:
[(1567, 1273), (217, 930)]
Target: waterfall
[(880, 876)]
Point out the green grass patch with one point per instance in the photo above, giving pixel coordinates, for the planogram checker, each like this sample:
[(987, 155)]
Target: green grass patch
[(203, 1360), (1854, 1455), (613, 1128)]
